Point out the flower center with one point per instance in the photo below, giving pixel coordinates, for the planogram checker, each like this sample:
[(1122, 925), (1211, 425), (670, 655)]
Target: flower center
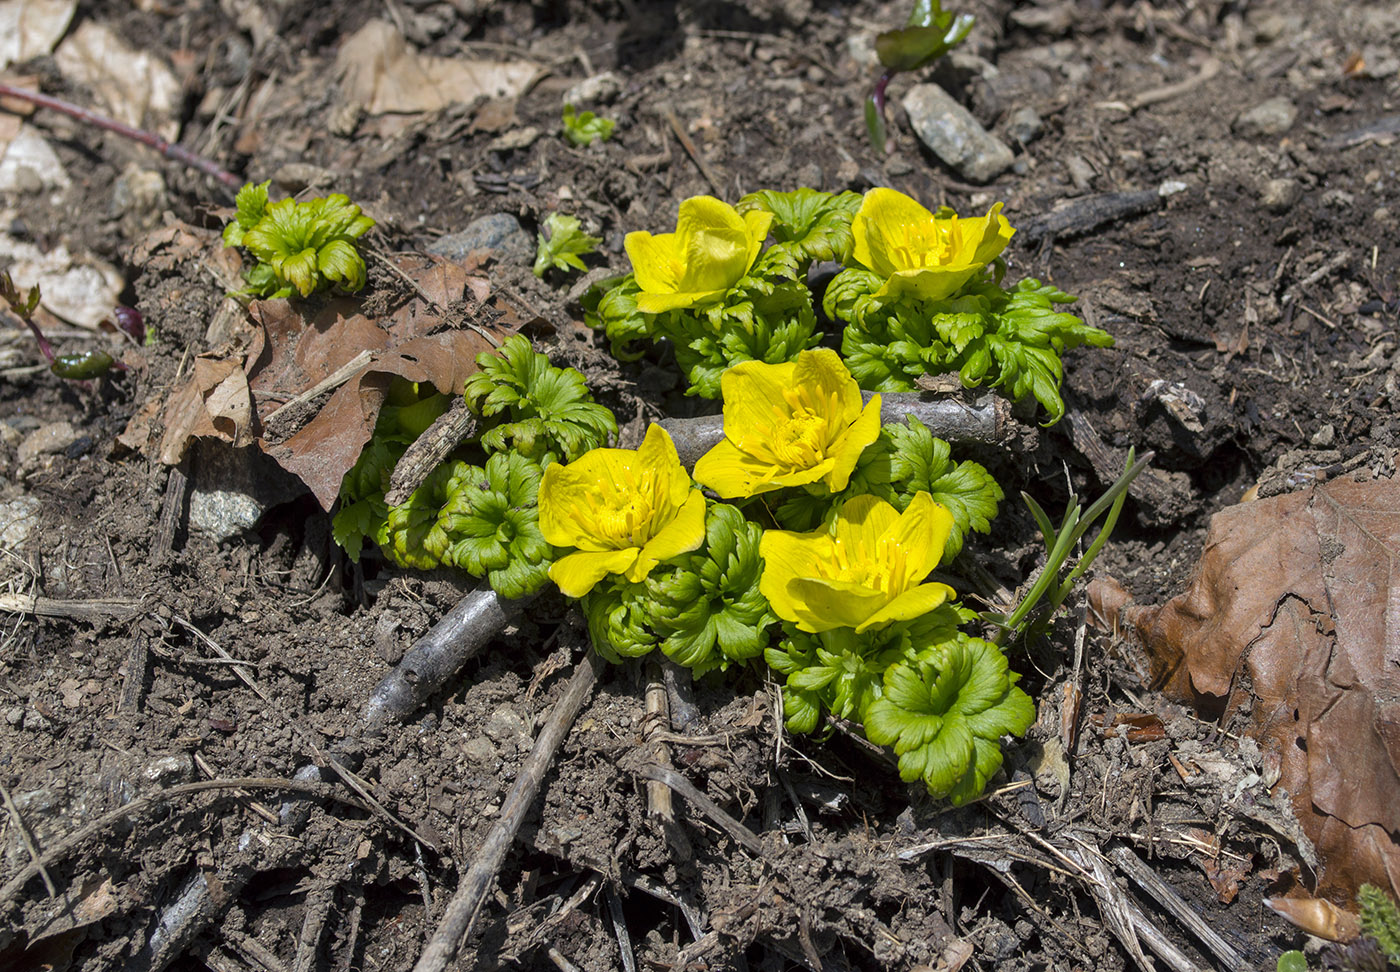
[(927, 245), (632, 512), (882, 569)]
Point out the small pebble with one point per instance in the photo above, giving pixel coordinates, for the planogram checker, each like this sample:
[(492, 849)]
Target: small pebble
[(1280, 195), (1268, 118)]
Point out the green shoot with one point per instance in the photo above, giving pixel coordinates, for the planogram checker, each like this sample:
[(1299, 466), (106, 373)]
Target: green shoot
[(562, 242), (583, 128), (930, 33)]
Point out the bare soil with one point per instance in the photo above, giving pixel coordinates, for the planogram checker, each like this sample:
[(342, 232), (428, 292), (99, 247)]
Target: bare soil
[(1255, 344)]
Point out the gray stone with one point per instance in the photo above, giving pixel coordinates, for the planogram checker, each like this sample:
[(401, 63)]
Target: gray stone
[(501, 232), (952, 134), (233, 488), (18, 519), (1280, 195), (599, 89), (507, 727), (46, 440), (168, 770), (1024, 125), (1268, 118), (478, 749)]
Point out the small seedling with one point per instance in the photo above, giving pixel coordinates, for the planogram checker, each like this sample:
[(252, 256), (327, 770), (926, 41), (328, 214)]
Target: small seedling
[(930, 33), (583, 128), (75, 367), (562, 242), (301, 247)]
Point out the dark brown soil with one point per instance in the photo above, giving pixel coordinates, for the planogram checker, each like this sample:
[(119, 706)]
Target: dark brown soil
[(1255, 343)]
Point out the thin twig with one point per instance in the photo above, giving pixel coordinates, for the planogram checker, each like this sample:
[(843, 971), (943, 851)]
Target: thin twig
[(462, 910), (157, 142), (1143, 877), (28, 840), (62, 848), (427, 452), (742, 835), (693, 152)]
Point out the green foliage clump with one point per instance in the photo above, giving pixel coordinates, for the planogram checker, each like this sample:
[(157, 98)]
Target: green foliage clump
[(583, 128), (945, 711), (530, 406), (1381, 920), (703, 609), (561, 244), (767, 316), (481, 517), (1009, 339), (301, 247), (811, 225)]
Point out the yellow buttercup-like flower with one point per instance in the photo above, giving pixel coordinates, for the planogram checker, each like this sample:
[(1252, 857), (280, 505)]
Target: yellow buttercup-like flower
[(789, 425), (919, 253), (710, 251), (624, 511), (864, 572)]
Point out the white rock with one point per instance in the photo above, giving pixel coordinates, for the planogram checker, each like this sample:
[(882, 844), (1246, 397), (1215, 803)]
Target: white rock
[(952, 134)]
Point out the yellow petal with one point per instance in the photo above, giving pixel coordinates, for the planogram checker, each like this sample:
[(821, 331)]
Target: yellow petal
[(576, 573), (683, 534), (716, 242), (845, 451), (787, 556), (928, 284), (922, 533), (656, 261), (731, 472), (880, 229), (754, 401), (571, 495), (821, 605), (756, 223), (661, 303), (823, 380), (913, 603), (658, 454), (861, 523), (991, 236)]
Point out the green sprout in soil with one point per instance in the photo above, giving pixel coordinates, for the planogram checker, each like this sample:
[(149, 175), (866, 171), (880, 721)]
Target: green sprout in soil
[(301, 247), (930, 33), (562, 244), (583, 128), (77, 366)]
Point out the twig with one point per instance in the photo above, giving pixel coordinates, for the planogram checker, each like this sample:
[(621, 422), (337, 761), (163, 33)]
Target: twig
[(1167, 92), (134, 681), (172, 512), (28, 839), (318, 906), (426, 452), (742, 835), (692, 151), (659, 804), (1378, 130), (986, 421), (78, 610), (619, 923), (64, 847), (1089, 213), (1143, 877), (157, 142), (462, 910), (334, 380)]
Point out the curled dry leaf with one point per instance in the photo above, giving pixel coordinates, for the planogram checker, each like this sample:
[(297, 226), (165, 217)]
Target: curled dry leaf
[(1293, 617), (326, 375)]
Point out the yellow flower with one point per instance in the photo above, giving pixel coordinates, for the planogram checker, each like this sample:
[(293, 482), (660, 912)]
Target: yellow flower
[(862, 573), (788, 425), (710, 251), (919, 253), (624, 511)]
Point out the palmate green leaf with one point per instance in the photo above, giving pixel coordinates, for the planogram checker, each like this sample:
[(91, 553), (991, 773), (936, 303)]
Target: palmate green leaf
[(489, 524), (535, 408), (251, 202), (619, 618), (561, 244), (812, 225), (583, 128), (617, 316), (302, 246), (944, 714), (707, 605)]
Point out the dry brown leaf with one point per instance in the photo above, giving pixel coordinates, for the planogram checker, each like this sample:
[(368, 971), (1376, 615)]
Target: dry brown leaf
[(1293, 616), (132, 86), (29, 28), (224, 389), (380, 73)]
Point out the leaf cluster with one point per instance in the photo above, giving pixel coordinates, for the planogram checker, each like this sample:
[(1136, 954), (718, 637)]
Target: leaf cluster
[(301, 247), (703, 610), (811, 225), (583, 128), (767, 316), (562, 244), (906, 459), (534, 408), (1008, 339)]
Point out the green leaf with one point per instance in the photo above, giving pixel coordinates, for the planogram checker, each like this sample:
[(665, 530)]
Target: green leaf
[(562, 243), (302, 246), (1292, 961), (533, 407), (944, 714), (618, 614), (489, 524), (1380, 919), (930, 33), (813, 225), (584, 128), (875, 125)]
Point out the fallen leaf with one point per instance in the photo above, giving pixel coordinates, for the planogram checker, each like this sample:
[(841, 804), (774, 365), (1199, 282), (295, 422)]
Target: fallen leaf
[(224, 389), (380, 73), (1293, 617), (29, 28), (132, 86)]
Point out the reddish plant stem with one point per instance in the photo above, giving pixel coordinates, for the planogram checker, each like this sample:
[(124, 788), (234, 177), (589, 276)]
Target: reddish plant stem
[(160, 144)]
